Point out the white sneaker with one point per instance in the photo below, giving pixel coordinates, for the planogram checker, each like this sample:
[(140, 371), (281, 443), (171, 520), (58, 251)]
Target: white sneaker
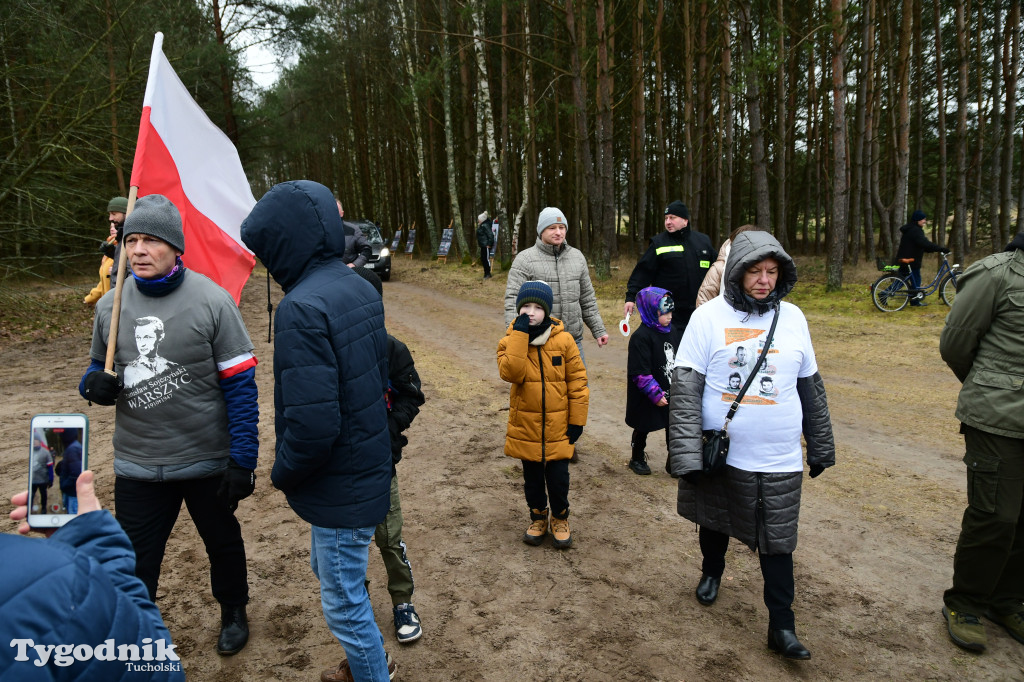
[(407, 624)]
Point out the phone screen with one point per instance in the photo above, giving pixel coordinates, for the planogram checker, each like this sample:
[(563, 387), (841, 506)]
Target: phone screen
[(58, 453)]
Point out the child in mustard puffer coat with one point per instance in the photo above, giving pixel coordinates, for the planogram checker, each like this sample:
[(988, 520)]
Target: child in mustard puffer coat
[(547, 408)]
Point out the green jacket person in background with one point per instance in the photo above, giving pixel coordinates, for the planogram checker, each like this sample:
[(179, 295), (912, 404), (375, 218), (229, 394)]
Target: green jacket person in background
[(983, 343)]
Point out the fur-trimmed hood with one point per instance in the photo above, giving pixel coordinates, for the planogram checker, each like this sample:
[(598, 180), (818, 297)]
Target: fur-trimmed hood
[(747, 249)]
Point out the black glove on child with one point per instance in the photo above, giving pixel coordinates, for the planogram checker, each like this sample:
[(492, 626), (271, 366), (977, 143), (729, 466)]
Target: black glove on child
[(102, 388), (522, 323), (945, 250), (816, 470), (108, 249), (238, 483), (574, 432)]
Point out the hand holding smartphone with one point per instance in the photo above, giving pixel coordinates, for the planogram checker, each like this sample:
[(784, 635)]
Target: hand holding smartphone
[(58, 454)]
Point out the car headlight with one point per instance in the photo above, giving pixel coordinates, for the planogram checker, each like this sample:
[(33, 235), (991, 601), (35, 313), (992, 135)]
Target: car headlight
[(384, 253)]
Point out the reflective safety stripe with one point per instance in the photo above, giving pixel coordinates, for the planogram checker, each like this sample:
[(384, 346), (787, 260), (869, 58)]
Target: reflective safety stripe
[(705, 264), (668, 249)]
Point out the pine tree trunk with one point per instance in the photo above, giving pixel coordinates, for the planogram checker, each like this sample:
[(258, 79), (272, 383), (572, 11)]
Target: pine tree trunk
[(960, 201), (1010, 71), (449, 143), (421, 160), (753, 98), (940, 91), (840, 191), (486, 128)]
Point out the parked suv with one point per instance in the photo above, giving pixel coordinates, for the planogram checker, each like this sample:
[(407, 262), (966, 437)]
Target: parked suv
[(380, 259)]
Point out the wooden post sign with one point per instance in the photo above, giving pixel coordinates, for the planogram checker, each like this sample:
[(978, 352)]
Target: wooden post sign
[(446, 244), (410, 241), (394, 242)]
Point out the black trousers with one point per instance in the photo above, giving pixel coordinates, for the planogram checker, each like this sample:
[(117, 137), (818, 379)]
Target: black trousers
[(147, 511), (555, 476), (41, 487), (639, 442), (776, 569), (485, 259), (988, 567)]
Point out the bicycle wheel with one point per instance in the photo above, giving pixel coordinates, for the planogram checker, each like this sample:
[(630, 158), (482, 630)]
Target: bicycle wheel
[(890, 294), (947, 290)]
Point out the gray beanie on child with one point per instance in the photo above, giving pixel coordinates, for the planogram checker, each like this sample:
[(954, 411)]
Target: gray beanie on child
[(155, 215)]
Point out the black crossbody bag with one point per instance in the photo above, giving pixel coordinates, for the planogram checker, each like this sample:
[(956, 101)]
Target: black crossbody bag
[(716, 441)]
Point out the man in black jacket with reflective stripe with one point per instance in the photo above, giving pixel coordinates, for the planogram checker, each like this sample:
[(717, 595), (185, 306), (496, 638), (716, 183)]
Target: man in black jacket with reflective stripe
[(676, 260)]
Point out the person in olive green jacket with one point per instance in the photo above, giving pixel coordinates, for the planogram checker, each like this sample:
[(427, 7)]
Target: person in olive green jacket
[(983, 343)]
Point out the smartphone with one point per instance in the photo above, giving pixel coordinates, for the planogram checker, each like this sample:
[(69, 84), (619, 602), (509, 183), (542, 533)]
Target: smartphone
[(58, 452)]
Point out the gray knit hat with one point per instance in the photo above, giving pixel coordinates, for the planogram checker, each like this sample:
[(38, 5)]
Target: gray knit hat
[(155, 215), (550, 216), (117, 205)]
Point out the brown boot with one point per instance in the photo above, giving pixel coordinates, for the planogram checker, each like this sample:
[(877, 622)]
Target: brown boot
[(534, 535), (561, 538)]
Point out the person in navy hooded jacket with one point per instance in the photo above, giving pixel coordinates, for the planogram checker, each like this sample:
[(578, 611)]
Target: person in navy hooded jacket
[(330, 375)]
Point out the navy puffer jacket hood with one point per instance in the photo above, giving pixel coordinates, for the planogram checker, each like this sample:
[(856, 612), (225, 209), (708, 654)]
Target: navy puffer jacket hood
[(747, 249), (333, 451), (293, 228)]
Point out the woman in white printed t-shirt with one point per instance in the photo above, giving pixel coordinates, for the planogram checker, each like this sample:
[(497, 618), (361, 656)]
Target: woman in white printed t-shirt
[(757, 498)]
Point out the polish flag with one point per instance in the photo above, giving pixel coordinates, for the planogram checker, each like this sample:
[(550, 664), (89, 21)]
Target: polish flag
[(184, 156)]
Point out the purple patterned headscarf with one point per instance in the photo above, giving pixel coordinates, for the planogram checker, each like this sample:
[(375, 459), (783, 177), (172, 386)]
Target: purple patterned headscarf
[(647, 303)]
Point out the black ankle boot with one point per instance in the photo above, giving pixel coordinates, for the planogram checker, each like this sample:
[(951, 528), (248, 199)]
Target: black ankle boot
[(234, 630), (786, 643), (707, 590)]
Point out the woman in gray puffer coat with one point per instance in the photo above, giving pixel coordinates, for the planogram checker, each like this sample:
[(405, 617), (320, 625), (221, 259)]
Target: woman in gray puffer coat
[(757, 498)]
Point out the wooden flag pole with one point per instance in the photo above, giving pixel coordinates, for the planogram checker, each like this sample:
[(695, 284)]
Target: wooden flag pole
[(115, 313)]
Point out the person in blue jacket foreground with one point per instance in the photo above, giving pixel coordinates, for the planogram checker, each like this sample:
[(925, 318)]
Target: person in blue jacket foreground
[(333, 451), (71, 606)]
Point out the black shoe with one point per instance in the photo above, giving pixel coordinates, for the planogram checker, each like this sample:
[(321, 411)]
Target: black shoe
[(234, 630), (639, 467), (707, 590), (786, 643)]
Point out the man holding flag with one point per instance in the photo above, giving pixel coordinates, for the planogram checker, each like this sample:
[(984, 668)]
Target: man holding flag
[(189, 432), (186, 427)]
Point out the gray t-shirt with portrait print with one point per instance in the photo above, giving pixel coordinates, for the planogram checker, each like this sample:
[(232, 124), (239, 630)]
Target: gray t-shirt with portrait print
[(172, 409)]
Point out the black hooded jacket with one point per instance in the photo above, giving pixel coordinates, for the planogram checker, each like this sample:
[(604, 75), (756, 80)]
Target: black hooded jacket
[(913, 244)]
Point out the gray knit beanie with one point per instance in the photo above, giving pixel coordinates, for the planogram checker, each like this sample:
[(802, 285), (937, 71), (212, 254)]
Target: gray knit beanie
[(550, 216), (155, 215)]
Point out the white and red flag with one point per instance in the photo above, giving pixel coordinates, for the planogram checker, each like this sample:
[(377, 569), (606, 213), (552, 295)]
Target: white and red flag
[(184, 156)]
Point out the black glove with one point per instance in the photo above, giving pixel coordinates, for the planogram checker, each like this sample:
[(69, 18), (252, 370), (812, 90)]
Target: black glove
[(816, 470), (522, 323), (691, 477), (237, 484), (108, 249), (120, 233), (945, 250), (102, 388), (574, 432)]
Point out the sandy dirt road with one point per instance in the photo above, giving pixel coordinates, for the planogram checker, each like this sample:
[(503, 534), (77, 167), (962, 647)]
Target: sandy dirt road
[(877, 532)]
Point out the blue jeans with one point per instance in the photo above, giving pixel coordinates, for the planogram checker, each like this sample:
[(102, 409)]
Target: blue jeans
[(579, 344), (70, 504), (338, 558)]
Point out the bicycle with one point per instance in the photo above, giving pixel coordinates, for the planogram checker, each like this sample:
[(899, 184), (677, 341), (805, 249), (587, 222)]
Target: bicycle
[(892, 291)]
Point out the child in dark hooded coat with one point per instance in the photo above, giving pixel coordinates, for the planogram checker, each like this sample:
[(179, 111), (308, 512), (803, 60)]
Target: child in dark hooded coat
[(652, 351)]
